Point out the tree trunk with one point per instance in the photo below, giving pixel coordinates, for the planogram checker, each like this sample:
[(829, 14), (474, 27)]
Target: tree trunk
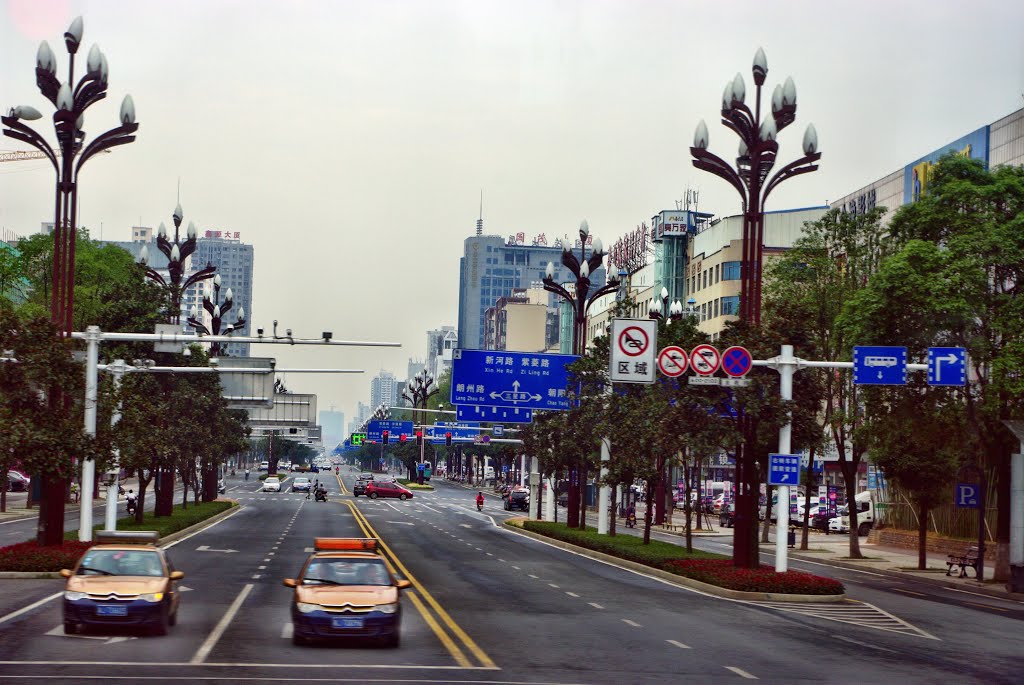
[(807, 505), (922, 538), (572, 514), (140, 502), (184, 491), (613, 509), (3, 491), (51, 510), (164, 505), (851, 505), (649, 511), (768, 513)]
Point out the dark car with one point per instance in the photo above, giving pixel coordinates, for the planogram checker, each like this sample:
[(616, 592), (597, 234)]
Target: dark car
[(376, 488), (518, 498), (360, 485), (727, 516)]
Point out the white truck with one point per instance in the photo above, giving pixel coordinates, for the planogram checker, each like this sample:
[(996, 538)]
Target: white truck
[(865, 516)]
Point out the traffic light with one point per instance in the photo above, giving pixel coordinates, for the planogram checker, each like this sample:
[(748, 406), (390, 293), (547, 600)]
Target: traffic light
[(448, 438), (401, 438), (384, 437), (419, 438)]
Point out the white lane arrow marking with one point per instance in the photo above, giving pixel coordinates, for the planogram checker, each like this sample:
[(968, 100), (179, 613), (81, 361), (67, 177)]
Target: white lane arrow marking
[(402, 523), (59, 632), (184, 588), (205, 548)]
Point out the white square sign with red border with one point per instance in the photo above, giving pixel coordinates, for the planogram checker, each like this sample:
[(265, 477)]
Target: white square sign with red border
[(633, 350)]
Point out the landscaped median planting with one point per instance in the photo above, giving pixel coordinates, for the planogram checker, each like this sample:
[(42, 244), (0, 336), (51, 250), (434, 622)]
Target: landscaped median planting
[(30, 557), (413, 485), (704, 567)]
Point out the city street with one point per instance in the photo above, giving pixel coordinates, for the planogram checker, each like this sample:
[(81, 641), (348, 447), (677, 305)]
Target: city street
[(490, 605)]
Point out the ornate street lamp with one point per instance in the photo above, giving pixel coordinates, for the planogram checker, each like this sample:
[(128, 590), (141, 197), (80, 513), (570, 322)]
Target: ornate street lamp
[(753, 180), (580, 300), (71, 101), (417, 394), (176, 253), (217, 310), (672, 312), (755, 160)]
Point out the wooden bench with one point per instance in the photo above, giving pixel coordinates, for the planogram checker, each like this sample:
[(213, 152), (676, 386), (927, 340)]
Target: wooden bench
[(969, 559)]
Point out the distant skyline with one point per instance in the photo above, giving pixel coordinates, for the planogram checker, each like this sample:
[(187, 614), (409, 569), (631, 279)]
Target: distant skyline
[(348, 142)]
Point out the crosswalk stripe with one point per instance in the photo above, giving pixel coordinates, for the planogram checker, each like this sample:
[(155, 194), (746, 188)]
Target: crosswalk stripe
[(853, 612)]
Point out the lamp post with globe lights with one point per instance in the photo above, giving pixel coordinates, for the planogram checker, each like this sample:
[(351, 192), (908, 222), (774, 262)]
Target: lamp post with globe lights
[(753, 179), (217, 310), (580, 299), (176, 253), (71, 100), (417, 394)]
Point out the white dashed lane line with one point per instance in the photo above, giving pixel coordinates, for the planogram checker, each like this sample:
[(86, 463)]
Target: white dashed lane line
[(740, 672), (631, 623), (678, 644), (595, 605)]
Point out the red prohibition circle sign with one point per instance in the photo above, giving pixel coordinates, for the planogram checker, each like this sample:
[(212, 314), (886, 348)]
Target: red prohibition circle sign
[(672, 361), (704, 360), (633, 341)]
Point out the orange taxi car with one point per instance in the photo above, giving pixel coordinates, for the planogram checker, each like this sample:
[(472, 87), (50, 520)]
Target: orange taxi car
[(124, 580), (345, 590)]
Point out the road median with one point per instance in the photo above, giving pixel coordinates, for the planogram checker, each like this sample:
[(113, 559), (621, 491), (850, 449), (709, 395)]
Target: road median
[(658, 556)]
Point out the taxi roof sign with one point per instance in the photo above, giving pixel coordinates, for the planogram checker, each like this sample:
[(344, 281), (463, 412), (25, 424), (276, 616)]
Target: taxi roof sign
[(127, 537), (346, 544)]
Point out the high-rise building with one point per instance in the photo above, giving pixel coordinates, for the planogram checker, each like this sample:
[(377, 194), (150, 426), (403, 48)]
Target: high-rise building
[(234, 262), (382, 390), (440, 343), (492, 267), (333, 425)]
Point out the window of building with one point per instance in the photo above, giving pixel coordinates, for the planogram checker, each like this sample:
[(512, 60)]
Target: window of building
[(716, 307), (730, 271), (717, 267), (705, 277), (704, 311), (731, 305)]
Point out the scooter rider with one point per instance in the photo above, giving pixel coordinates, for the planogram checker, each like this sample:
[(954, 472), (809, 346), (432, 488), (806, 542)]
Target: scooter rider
[(132, 503), (479, 501)]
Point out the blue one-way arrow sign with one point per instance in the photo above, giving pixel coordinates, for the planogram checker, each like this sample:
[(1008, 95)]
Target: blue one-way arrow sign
[(783, 469), (947, 366)]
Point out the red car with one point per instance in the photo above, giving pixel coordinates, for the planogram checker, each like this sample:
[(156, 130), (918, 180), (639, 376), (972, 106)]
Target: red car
[(379, 488)]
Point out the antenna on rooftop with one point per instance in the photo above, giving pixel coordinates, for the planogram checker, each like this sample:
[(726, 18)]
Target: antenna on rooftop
[(480, 221)]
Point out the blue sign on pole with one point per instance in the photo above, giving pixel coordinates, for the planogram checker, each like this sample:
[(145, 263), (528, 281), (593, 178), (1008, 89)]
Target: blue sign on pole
[(947, 366), (462, 431), (511, 379), (394, 428), (498, 430), (879, 365), (783, 469), (967, 495), (476, 412)]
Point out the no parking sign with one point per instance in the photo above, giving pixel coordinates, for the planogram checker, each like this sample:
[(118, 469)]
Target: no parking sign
[(736, 361)]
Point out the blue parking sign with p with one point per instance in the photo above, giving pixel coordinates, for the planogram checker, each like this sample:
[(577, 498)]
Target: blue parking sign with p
[(967, 495)]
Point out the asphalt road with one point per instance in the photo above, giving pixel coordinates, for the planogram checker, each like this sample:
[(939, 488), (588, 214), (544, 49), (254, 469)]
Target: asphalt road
[(491, 606)]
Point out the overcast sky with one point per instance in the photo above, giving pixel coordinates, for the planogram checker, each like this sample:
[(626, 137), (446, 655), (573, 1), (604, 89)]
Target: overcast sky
[(349, 141)]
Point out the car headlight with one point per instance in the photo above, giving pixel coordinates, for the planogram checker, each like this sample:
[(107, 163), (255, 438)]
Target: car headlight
[(305, 608), (152, 597), (386, 608), (74, 596)]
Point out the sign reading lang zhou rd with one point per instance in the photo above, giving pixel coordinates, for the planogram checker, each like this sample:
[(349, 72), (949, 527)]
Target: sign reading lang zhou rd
[(511, 379)]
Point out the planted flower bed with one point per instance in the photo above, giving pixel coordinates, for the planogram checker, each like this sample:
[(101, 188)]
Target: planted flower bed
[(30, 556), (706, 567), (722, 573)]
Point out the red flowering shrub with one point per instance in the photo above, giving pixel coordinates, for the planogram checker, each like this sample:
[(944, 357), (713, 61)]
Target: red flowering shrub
[(29, 556), (722, 573)]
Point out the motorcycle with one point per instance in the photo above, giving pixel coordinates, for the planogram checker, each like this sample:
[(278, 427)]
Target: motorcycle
[(631, 521), (120, 491), (479, 506), (321, 495), (131, 505), (221, 488)]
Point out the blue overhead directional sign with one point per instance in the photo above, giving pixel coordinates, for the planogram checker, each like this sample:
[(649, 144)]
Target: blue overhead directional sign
[(463, 431), (476, 412), (783, 469), (947, 366), (394, 428), (511, 379), (879, 365)]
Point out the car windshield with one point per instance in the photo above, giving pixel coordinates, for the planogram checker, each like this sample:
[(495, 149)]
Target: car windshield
[(301, 481), (120, 562), (346, 572), (272, 480)]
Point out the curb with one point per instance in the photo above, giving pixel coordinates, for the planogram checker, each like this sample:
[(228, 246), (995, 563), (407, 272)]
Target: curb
[(939, 582), (194, 528), (673, 578)]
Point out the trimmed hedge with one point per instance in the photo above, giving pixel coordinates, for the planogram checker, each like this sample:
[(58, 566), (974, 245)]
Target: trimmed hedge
[(706, 567), (413, 485)]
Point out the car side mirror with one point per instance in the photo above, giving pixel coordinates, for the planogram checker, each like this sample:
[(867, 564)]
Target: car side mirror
[(289, 582), (65, 573), (177, 575), (402, 584)]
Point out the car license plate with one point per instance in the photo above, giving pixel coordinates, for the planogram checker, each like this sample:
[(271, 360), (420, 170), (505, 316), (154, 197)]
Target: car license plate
[(111, 610), (346, 623)]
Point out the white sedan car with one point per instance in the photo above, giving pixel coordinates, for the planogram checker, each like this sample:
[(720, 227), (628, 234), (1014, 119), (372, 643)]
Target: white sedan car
[(272, 484)]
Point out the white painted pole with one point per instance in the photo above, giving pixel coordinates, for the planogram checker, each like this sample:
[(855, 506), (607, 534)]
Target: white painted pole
[(92, 371), (604, 496), (117, 369), (549, 501), (534, 488), (1017, 508), (787, 367)]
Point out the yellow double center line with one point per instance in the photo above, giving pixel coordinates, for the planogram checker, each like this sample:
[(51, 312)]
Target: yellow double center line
[(453, 648)]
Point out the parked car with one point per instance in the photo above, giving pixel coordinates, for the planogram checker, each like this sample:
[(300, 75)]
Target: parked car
[(375, 489), (17, 481), (264, 466), (518, 498)]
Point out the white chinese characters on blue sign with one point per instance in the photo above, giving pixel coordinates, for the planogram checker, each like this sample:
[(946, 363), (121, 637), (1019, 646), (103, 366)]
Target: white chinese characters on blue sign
[(510, 379)]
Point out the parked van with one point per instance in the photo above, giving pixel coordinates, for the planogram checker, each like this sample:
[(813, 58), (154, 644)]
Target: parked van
[(865, 516)]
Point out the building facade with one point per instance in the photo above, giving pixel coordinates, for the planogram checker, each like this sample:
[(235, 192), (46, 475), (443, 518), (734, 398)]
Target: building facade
[(234, 261), (440, 344), (492, 267), (518, 322), (383, 390)]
